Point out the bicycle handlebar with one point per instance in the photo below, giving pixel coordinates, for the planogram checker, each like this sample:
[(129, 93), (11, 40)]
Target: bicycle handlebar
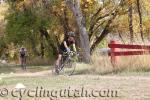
[(71, 52)]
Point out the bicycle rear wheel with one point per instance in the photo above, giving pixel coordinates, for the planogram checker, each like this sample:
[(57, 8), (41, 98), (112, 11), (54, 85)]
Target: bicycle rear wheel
[(56, 70)]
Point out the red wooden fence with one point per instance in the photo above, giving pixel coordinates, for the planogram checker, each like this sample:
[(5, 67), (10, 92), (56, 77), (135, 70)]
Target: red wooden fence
[(113, 45)]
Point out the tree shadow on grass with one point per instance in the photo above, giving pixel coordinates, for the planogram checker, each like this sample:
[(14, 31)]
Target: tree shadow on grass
[(87, 71), (113, 71), (116, 70), (142, 69), (7, 69), (18, 69)]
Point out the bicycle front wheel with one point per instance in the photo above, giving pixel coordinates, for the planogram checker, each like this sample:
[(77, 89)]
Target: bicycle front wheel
[(69, 67)]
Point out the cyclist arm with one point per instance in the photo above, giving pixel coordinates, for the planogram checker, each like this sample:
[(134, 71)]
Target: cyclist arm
[(74, 48), (25, 52), (65, 44)]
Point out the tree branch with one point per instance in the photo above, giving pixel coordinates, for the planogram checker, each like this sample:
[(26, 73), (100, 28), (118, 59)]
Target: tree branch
[(99, 18), (95, 30), (103, 34)]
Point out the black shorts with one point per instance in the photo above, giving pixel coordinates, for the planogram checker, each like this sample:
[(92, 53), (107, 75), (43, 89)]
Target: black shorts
[(61, 51)]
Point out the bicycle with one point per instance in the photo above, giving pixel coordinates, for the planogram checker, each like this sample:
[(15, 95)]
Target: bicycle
[(67, 64)]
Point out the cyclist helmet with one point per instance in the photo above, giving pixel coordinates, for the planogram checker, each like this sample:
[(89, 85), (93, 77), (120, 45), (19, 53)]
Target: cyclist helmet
[(71, 34)]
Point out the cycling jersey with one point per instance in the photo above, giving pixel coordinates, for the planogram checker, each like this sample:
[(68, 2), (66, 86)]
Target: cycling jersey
[(62, 47)]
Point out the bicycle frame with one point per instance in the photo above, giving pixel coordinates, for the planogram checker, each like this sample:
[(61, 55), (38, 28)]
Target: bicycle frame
[(67, 58)]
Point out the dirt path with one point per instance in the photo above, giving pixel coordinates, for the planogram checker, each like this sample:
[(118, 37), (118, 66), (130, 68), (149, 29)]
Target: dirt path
[(27, 74), (128, 87), (49, 72)]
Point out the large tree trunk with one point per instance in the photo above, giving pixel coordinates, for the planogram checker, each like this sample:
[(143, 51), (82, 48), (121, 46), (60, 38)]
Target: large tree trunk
[(42, 46), (140, 18), (130, 17), (35, 51), (84, 38), (64, 22)]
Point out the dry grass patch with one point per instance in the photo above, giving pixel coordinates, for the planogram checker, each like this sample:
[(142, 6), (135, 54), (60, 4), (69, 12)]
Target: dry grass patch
[(101, 64)]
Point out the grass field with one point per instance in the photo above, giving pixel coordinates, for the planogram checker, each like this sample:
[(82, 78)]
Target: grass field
[(99, 80), (128, 88), (127, 85)]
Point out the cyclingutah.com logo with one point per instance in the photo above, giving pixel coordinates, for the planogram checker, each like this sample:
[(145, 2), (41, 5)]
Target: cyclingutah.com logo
[(40, 92)]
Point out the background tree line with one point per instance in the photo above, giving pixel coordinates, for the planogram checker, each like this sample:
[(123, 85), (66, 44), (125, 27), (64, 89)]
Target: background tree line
[(41, 25)]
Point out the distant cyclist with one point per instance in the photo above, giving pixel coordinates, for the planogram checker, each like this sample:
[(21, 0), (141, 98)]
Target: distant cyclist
[(23, 53), (65, 47)]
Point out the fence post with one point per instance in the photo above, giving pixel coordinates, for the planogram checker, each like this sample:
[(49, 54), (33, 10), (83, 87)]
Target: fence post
[(113, 57)]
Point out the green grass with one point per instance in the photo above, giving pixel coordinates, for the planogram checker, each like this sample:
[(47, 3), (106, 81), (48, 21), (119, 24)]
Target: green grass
[(49, 83), (83, 77), (124, 85), (80, 69)]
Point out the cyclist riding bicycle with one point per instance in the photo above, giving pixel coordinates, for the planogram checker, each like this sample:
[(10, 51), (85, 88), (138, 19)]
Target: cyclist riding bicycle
[(65, 47), (23, 53)]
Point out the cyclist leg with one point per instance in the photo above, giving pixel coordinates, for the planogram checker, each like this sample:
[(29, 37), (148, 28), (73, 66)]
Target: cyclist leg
[(21, 62), (58, 60), (24, 63), (58, 63), (60, 53)]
